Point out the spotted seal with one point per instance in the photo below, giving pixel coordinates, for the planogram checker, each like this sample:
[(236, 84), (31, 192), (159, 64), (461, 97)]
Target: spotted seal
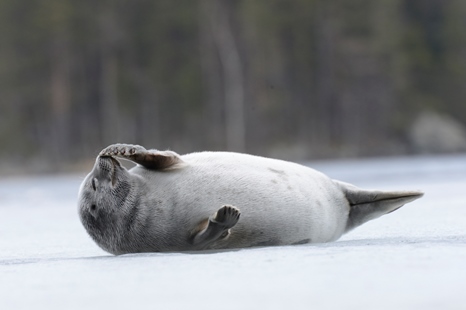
[(218, 200)]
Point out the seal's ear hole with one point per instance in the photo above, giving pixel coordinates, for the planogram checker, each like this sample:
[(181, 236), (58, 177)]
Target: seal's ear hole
[(93, 207)]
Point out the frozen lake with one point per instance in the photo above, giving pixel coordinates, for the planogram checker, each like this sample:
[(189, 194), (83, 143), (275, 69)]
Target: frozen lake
[(414, 258)]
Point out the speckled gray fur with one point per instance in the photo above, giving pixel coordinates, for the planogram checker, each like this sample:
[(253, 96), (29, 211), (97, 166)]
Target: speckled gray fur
[(218, 200)]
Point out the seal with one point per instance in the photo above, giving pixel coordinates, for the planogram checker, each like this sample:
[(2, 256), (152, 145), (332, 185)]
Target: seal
[(169, 202)]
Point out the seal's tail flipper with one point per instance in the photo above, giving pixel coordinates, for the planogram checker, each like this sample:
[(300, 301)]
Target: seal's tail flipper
[(367, 205)]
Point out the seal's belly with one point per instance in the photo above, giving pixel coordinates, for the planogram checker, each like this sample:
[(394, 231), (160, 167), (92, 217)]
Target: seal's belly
[(286, 218), (279, 205)]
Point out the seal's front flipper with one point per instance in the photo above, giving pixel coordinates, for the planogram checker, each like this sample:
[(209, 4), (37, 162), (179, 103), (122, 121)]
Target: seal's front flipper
[(216, 227), (150, 159), (366, 205)]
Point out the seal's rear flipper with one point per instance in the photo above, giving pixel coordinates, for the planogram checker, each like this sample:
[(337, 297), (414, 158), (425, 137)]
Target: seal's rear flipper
[(150, 159), (366, 205), (216, 227)]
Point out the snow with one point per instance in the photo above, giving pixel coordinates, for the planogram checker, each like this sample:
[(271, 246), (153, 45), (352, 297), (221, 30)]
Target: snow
[(414, 258)]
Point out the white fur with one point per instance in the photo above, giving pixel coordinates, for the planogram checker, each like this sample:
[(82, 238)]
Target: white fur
[(280, 202)]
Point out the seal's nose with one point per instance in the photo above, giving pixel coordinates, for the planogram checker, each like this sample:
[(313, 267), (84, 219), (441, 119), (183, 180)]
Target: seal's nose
[(107, 162), (104, 164), (105, 167)]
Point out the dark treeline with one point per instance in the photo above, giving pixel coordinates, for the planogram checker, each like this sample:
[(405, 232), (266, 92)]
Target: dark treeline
[(299, 79)]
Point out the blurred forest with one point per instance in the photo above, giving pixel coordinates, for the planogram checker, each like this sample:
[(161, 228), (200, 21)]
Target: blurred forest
[(295, 79)]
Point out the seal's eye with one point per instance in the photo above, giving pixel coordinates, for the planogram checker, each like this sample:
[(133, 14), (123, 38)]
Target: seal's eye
[(93, 184)]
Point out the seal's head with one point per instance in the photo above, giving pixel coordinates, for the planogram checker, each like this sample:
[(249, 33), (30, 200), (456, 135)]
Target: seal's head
[(104, 198)]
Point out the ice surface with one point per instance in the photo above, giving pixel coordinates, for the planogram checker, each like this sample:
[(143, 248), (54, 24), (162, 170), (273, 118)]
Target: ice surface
[(414, 258)]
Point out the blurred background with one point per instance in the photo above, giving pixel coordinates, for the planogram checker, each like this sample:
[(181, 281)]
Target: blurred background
[(298, 80)]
